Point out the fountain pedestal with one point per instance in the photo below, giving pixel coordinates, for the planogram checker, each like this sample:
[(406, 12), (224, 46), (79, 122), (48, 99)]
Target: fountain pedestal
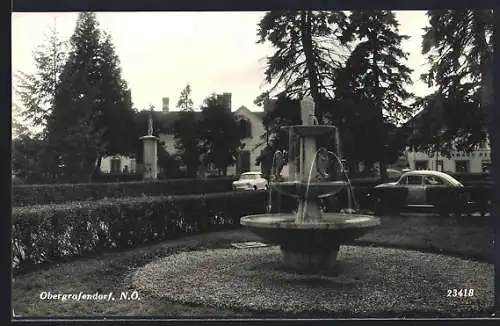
[(310, 261), (308, 211)]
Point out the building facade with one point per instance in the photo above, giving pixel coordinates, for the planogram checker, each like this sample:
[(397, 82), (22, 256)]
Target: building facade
[(250, 122), (478, 161)]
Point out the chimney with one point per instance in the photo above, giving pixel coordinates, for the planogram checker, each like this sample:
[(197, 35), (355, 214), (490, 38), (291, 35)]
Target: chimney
[(165, 104), (225, 100)]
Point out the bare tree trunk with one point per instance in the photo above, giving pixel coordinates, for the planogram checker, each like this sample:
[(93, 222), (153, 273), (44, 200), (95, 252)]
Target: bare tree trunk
[(487, 101)]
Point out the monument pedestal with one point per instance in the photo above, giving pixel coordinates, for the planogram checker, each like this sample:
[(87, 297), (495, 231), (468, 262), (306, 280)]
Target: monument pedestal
[(150, 157)]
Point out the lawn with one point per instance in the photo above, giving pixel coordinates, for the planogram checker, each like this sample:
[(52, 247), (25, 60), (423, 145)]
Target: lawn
[(469, 238)]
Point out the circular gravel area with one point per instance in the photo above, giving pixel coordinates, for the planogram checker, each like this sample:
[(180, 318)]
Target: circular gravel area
[(373, 280)]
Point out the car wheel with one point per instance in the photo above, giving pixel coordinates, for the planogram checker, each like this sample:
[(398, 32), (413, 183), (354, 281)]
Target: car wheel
[(254, 187)]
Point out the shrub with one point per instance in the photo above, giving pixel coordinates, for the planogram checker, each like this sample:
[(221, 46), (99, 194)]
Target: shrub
[(466, 178), (46, 233), (480, 197), (59, 193), (389, 199)]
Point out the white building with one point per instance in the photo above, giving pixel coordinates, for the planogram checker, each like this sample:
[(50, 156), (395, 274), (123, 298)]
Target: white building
[(477, 161), (253, 127), (251, 123), (118, 164)]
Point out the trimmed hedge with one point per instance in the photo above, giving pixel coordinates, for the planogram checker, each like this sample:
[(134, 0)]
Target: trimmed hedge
[(118, 177), (48, 233), (59, 193), (473, 177)]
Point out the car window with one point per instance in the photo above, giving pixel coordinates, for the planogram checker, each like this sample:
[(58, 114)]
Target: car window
[(403, 181), (414, 180), (248, 177), (433, 180)]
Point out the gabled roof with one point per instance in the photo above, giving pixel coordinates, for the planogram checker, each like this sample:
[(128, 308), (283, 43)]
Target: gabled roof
[(257, 114), (167, 119)]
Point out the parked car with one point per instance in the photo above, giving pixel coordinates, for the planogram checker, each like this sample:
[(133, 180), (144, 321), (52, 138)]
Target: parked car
[(421, 189), (392, 174), (250, 181)]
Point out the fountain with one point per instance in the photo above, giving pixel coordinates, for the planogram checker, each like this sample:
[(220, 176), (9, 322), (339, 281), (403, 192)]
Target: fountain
[(309, 239), (255, 282)]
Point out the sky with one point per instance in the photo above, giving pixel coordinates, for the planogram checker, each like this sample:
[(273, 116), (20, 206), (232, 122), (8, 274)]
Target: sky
[(160, 52)]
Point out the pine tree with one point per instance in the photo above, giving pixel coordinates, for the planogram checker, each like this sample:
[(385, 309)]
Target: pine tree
[(308, 50), (374, 77), (185, 102), (187, 135), (37, 90), (93, 108), (459, 48), (116, 115)]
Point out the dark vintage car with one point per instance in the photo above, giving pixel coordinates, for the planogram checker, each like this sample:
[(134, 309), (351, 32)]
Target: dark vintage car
[(421, 189)]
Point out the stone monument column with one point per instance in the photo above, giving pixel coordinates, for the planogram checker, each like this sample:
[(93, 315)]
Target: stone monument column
[(150, 152), (308, 146)]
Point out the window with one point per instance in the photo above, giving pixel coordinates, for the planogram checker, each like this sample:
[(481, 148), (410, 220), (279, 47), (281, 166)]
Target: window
[(486, 166), (133, 165), (115, 165), (433, 180), (462, 166), (249, 177), (439, 165), (246, 128), (414, 180)]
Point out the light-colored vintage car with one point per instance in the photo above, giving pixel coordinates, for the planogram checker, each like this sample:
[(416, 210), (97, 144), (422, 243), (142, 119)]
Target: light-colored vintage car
[(250, 181), (424, 189)]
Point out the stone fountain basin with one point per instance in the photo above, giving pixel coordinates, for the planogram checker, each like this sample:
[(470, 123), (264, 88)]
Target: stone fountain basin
[(332, 230), (315, 190)]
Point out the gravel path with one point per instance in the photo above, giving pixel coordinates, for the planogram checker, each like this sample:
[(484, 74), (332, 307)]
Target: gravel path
[(373, 280)]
